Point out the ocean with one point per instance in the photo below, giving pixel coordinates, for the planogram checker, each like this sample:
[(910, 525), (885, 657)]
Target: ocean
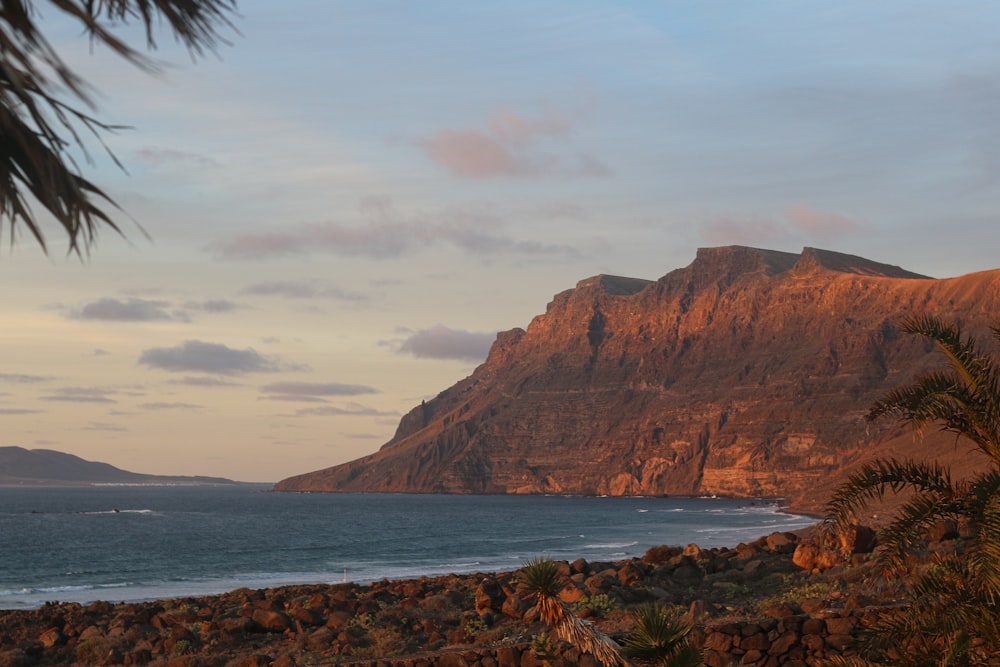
[(127, 543)]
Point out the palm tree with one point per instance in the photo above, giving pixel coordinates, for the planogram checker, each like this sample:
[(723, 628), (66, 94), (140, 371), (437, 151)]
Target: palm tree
[(660, 639), (954, 616), (39, 131), (542, 579)]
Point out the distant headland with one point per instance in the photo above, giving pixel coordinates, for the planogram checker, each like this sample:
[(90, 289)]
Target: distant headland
[(46, 467)]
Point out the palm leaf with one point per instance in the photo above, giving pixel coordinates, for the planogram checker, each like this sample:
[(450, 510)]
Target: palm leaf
[(39, 130)]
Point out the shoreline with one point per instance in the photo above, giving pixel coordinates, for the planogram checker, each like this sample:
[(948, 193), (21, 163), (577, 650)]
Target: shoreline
[(479, 616), (750, 518)]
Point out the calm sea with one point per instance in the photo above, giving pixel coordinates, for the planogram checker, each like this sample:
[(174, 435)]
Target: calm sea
[(135, 543)]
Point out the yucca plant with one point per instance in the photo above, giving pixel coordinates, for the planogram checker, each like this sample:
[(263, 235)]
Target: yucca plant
[(954, 615), (661, 638), (541, 579)]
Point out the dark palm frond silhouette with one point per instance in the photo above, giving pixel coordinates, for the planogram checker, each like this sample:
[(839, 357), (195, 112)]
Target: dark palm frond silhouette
[(953, 617), (40, 130)]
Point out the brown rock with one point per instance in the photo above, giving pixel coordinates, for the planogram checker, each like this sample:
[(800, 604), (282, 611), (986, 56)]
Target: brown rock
[(841, 626), (52, 637), (308, 616), (743, 373), (857, 539), (782, 543), (782, 644), (508, 656)]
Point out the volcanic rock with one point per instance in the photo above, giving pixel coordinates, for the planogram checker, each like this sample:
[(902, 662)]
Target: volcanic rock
[(748, 373)]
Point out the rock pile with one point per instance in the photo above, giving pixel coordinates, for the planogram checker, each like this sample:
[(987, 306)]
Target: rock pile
[(751, 602)]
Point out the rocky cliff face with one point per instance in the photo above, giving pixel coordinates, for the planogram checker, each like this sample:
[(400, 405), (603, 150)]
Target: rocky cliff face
[(746, 373)]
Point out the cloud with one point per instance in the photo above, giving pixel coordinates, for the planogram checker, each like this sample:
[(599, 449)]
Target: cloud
[(799, 223), (517, 130), (213, 305), (727, 231), (81, 395), (472, 154), (195, 381), (440, 342), (292, 398), (302, 290), (104, 426), (214, 359), (19, 411), (170, 406), (317, 389), (164, 156), (21, 378), (128, 310), (820, 224), (386, 235), (507, 147), (353, 409)]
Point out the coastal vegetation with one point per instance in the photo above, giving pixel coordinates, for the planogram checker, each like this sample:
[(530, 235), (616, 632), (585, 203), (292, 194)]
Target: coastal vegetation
[(953, 613)]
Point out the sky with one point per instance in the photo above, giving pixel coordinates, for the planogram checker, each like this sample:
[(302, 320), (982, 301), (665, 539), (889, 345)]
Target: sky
[(329, 219)]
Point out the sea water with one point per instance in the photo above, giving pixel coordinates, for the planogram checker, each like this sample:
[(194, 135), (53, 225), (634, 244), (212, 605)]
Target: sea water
[(126, 543)]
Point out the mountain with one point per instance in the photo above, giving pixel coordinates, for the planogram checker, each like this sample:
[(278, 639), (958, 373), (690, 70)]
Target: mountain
[(746, 373), (40, 467)]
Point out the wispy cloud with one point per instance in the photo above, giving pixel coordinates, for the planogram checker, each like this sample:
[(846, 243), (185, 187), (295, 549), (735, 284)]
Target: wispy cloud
[(441, 342), (797, 223), (21, 378), (170, 406), (508, 146), (164, 156), (302, 290), (138, 309), (81, 395), (214, 359), (128, 310), (104, 426), (741, 231), (19, 411), (317, 389), (821, 224), (352, 409), (202, 381), (385, 234), (213, 305)]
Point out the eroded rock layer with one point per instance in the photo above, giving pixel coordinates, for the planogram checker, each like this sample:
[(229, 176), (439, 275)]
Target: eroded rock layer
[(746, 373)]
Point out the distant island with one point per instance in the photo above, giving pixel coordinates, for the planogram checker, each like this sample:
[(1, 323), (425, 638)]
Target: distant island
[(46, 467)]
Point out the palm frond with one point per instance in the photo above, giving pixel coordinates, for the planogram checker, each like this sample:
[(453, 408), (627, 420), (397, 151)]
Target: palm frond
[(874, 479), (39, 130), (914, 519), (974, 408), (953, 615), (984, 553)]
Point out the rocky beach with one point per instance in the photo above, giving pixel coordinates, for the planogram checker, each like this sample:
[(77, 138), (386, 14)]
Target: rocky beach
[(784, 599)]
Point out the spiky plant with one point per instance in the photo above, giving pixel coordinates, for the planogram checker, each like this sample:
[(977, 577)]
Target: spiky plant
[(542, 579), (661, 639), (40, 130), (954, 616)]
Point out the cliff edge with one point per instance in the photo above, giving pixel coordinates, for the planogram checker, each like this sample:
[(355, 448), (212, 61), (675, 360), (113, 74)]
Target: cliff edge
[(746, 373)]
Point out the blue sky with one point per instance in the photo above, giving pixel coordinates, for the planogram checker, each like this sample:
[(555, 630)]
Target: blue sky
[(347, 202)]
